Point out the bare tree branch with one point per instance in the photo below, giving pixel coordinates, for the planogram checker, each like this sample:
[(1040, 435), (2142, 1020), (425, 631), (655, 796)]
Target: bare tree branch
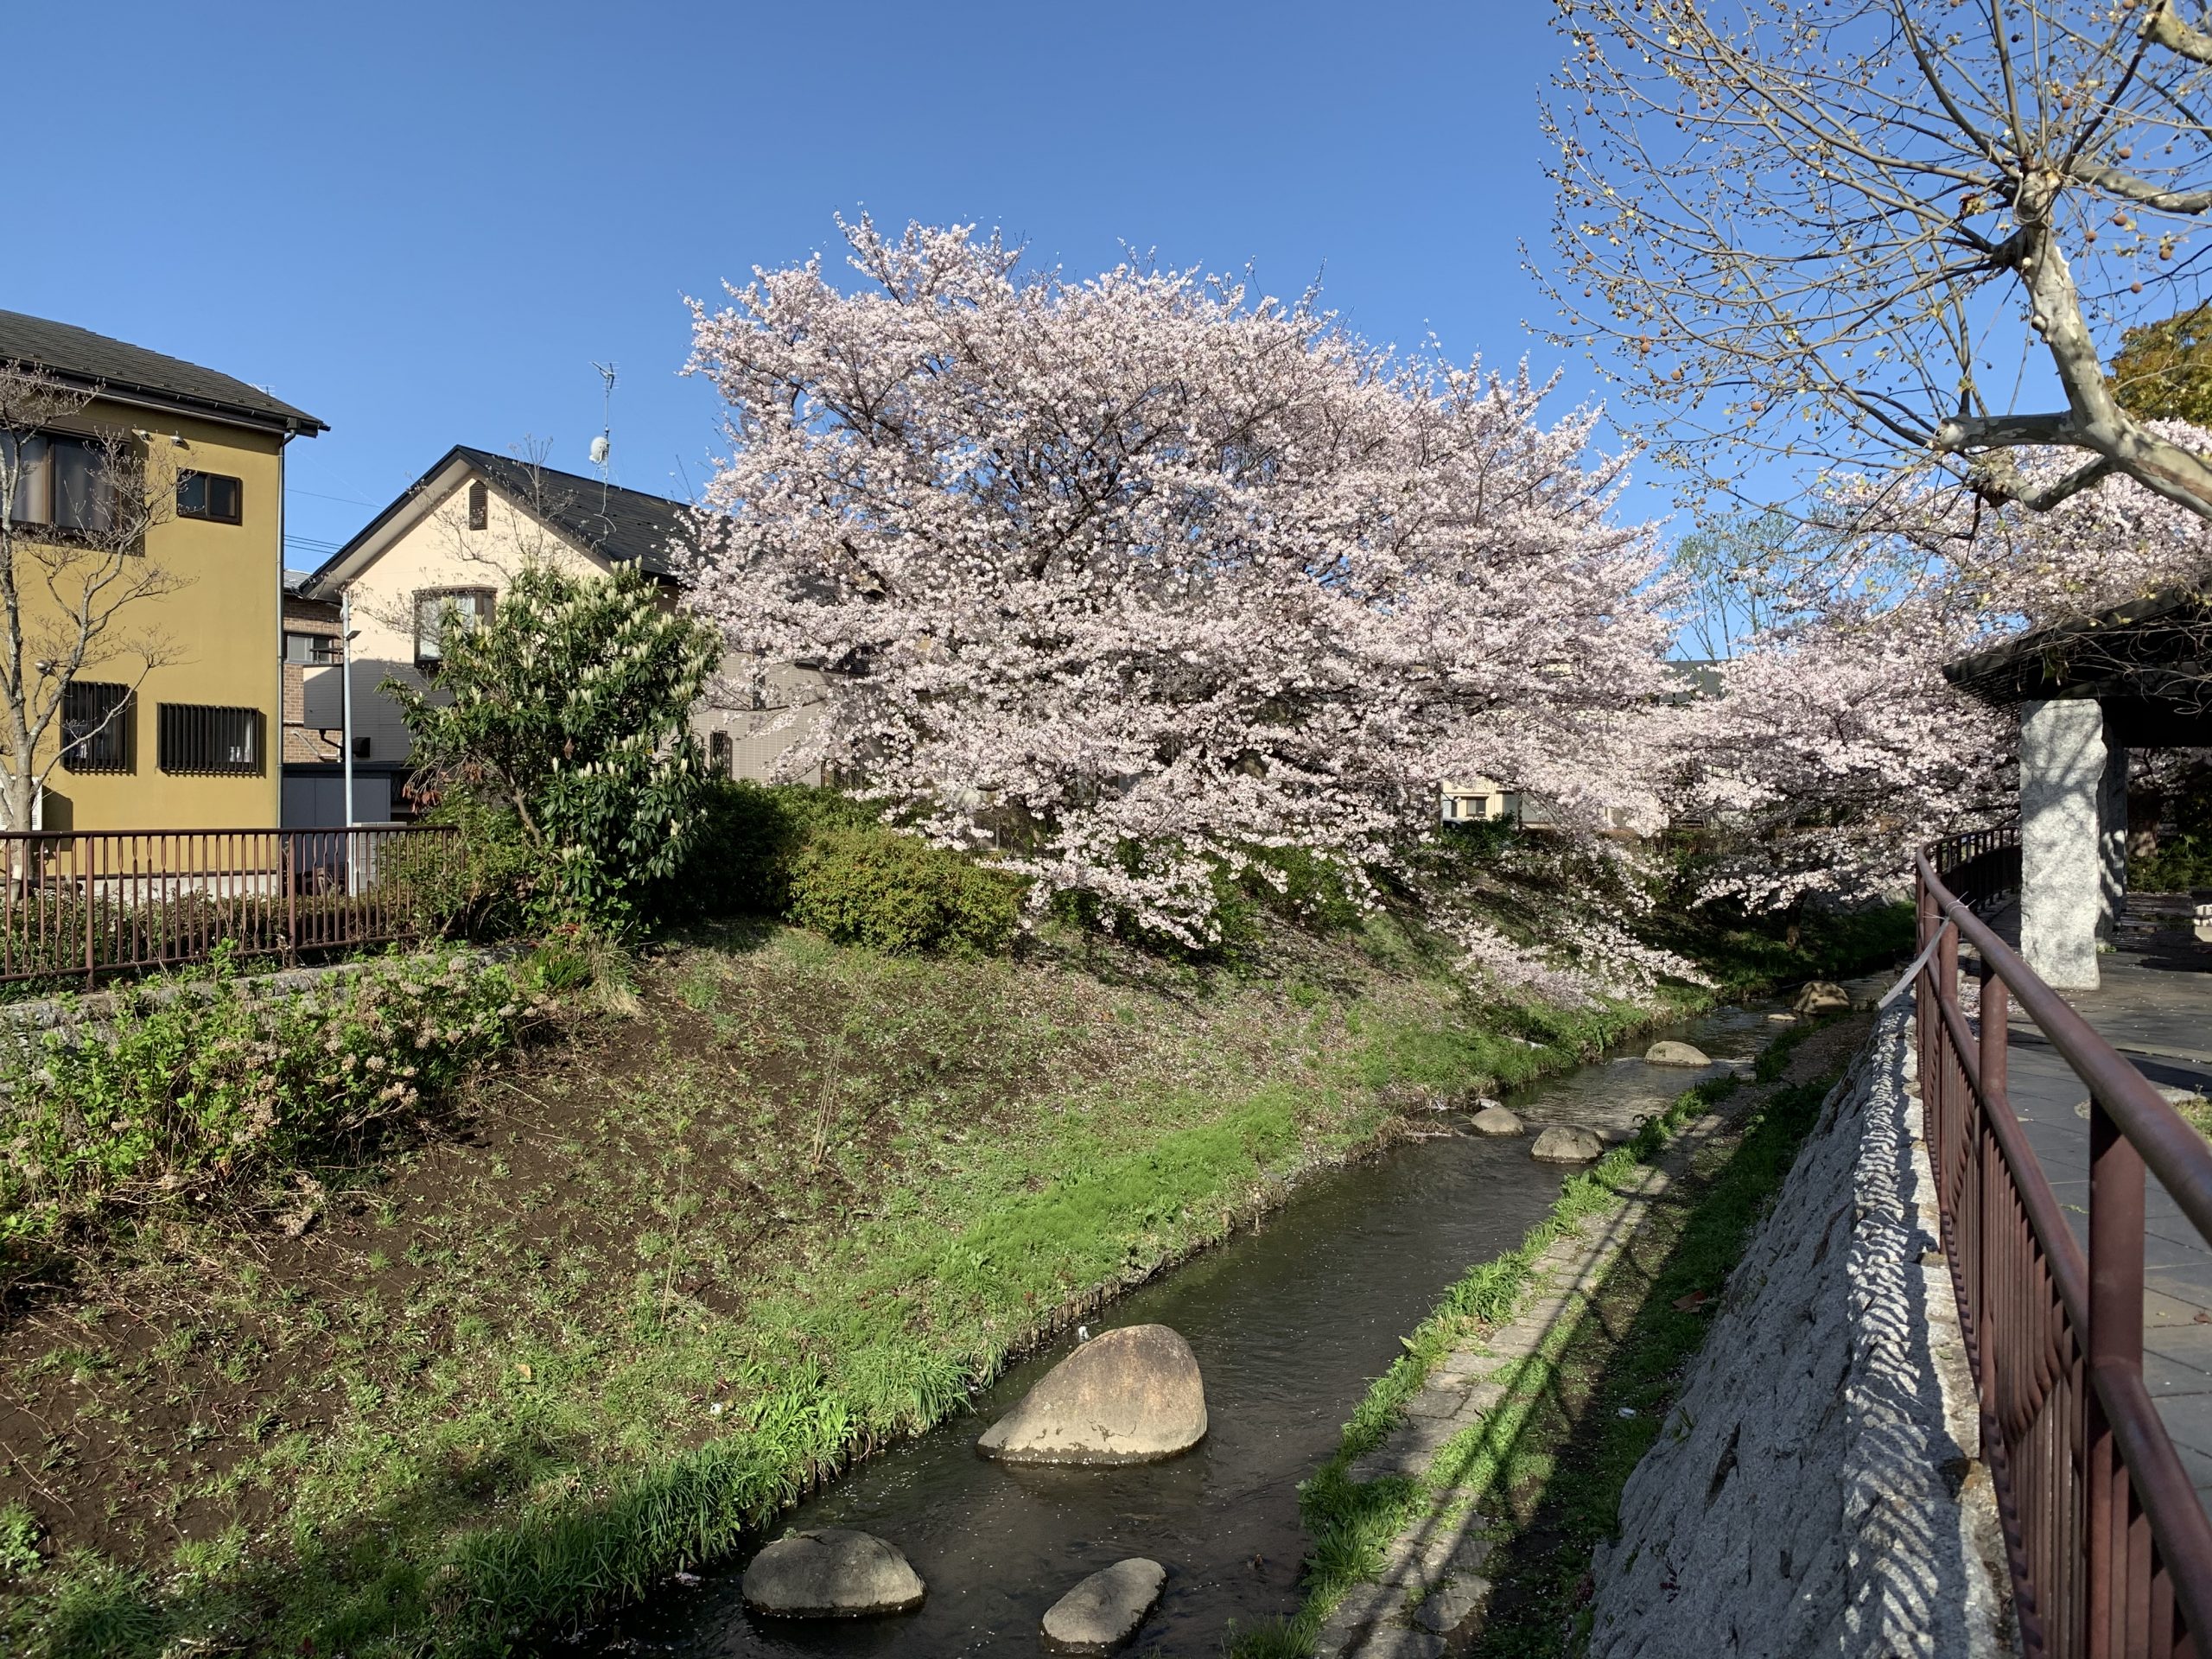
[(1844, 234), (77, 496)]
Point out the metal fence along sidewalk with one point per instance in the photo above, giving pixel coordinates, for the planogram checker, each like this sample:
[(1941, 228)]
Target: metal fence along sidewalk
[(83, 905), (2110, 1551)]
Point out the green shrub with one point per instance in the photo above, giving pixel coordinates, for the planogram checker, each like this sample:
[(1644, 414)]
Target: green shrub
[(869, 885), (2182, 861), (749, 839), (194, 1082), (19, 1533)]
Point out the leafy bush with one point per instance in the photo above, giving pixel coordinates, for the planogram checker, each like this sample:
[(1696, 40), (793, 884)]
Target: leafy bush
[(567, 715), (2182, 861), (869, 885), (749, 840), (196, 1082)]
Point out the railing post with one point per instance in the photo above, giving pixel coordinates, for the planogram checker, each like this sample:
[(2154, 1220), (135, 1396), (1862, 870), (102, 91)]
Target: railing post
[(2115, 1341), (1996, 1014), (83, 847), (1924, 904), (289, 842)]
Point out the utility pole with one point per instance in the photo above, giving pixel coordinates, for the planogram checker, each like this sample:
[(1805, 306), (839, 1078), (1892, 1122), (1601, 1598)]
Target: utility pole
[(345, 717)]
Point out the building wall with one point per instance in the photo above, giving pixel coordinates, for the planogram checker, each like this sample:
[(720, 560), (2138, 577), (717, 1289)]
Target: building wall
[(758, 735), (219, 628), (1470, 800), (312, 724)]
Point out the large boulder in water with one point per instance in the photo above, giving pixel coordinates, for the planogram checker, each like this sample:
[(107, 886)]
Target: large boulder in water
[(1496, 1119), (1674, 1053), (1104, 1611), (1822, 996), (1566, 1143), (831, 1573), (1130, 1395)]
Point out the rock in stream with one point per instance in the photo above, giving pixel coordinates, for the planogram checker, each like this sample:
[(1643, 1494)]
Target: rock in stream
[(831, 1573), (1130, 1396), (1566, 1143), (1104, 1611)]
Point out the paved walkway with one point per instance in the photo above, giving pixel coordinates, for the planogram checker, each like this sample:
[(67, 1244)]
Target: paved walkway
[(2155, 1006)]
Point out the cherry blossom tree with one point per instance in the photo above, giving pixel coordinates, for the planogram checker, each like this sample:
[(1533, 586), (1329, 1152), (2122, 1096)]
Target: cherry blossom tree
[(1837, 746), (1132, 576)]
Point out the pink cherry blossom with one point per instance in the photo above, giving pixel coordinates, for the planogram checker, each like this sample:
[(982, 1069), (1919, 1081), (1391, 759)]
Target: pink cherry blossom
[(1126, 577)]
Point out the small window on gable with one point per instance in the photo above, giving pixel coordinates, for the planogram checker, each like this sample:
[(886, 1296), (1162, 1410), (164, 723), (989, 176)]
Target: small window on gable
[(479, 506), (471, 607), (210, 495), (718, 753)]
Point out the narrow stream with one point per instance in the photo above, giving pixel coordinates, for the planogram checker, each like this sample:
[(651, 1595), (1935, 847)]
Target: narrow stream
[(1290, 1323)]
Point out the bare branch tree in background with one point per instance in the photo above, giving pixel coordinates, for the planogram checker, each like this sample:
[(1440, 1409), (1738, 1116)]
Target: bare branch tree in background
[(77, 497), (1849, 232)]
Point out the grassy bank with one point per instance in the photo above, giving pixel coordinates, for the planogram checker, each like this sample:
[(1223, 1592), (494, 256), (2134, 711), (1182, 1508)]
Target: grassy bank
[(619, 1299), (1547, 1465)]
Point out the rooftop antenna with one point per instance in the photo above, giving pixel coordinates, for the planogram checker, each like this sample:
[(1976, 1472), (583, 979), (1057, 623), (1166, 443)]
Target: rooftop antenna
[(603, 445)]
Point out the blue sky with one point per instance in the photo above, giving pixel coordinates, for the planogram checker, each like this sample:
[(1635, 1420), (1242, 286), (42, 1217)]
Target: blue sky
[(424, 224)]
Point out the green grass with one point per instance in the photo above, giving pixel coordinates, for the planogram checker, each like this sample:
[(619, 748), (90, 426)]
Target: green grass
[(1555, 1515), (1550, 1459), (787, 1202), (791, 1210)]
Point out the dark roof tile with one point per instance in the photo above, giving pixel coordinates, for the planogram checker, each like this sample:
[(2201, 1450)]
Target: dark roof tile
[(623, 527), (94, 360)]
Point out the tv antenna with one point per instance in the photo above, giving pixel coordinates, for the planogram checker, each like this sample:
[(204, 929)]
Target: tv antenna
[(603, 446)]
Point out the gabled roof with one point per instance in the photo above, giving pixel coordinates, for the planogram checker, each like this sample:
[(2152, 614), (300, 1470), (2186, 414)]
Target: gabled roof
[(605, 520), (133, 374), (2150, 647), (622, 526)]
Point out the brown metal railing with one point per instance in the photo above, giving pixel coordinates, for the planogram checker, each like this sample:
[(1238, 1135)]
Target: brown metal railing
[(2110, 1552), (1980, 866), (80, 906)]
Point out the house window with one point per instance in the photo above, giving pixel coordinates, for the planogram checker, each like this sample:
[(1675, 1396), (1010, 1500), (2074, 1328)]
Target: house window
[(210, 495), (95, 727), (62, 481), (472, 605), (197, 737), (718, 753), (1466, 807), (314, 650), (479, 506)]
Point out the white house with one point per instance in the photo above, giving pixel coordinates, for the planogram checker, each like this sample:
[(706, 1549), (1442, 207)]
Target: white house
[(454, 541)]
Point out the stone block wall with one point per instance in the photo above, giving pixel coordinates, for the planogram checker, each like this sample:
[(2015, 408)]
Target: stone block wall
[(1816, 1489)]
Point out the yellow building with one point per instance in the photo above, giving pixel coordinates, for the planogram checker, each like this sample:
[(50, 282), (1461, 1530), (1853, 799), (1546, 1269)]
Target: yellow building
[(172, 719)]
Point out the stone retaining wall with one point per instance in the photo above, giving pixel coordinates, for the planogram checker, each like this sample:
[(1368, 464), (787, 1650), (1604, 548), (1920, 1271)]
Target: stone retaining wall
[(1816, 1488)]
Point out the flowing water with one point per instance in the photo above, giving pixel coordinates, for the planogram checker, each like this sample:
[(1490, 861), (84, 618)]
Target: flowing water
[(1290, 1323)]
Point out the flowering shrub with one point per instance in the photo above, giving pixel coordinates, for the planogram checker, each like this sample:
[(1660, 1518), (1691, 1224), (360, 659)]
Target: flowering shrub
[(200, 1082), (566, 719)]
